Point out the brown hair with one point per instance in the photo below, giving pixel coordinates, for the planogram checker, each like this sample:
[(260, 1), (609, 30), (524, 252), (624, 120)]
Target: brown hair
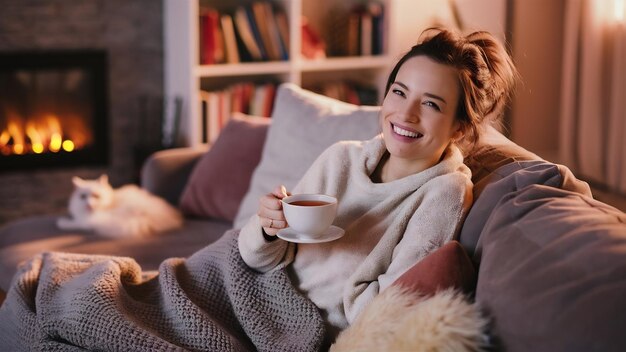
[(486, 74)]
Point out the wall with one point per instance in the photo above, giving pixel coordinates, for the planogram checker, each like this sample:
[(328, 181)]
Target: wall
[(131, 32), (537, 44)]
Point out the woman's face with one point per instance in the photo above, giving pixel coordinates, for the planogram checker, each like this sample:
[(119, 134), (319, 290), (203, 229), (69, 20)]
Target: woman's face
[(418, 114)]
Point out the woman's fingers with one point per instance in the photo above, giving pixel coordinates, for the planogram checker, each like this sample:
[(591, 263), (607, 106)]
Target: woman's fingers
[(271, 213), (280, 192), (270, 202), (273, 224), (276, 215)]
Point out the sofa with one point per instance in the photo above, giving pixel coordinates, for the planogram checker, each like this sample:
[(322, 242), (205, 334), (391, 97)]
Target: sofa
[(543, 260)]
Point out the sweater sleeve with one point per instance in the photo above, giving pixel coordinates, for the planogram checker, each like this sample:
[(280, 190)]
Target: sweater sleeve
[(434, 222), (261, 254)]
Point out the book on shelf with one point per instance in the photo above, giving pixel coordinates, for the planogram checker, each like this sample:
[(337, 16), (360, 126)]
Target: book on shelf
[(337, 24), (354, 23), (366, 33), (257, 31), (378, 27), (210, 117), (283, 30), (279, 49), (244, 29), (218, 106), (263, 15), (364, 28), (263, 98), (242, 49), (230, 41), (211, 37)]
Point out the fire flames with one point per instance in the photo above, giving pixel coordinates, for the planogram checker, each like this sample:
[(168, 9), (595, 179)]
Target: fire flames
[(37, 136)]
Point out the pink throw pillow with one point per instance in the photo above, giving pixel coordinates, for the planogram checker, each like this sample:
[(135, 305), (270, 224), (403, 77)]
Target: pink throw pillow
[(447, 267), (222, 176)]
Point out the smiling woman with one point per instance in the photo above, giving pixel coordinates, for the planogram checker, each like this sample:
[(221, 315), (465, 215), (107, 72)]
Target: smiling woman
[(418, 116), (402, 194)]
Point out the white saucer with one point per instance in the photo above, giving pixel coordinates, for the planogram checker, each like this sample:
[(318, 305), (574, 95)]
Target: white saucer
[(290, 235)]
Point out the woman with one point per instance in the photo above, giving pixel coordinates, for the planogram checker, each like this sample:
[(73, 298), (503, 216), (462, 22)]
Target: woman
[(402, 194)]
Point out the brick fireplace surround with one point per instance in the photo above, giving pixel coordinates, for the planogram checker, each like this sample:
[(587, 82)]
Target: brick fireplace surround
[(132, 34)]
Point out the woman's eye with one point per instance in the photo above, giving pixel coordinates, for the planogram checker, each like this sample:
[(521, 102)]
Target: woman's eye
[(432, 105), (398, 92)]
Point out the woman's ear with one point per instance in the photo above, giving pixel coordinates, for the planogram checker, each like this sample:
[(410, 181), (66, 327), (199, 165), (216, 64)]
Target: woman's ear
[(459, 132), (458, 135)]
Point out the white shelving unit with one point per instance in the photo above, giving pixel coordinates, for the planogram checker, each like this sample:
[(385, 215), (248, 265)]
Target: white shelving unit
[(184, 77)]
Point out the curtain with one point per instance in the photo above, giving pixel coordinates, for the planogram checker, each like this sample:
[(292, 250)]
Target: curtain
[(593, 101)]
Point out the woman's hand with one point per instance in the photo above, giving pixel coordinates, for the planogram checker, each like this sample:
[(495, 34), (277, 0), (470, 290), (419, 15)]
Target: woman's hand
[(270, 212)]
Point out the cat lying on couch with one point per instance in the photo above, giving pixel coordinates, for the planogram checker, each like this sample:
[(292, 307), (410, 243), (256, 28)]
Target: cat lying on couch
[(537, 239), (128, 211)]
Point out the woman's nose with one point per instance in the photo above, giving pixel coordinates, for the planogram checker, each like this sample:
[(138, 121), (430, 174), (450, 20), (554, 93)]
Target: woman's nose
[(411, 112)]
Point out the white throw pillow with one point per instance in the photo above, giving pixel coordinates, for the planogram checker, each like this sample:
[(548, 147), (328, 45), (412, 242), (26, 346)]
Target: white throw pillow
[(303, 125)]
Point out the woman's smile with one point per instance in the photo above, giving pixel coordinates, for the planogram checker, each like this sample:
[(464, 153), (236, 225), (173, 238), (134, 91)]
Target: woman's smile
[(405, 133)]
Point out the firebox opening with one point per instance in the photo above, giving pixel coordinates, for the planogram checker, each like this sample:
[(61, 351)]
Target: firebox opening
[(53, 109)]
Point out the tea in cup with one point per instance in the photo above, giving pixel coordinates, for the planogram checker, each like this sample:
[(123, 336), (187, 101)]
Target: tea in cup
[(310, 214)]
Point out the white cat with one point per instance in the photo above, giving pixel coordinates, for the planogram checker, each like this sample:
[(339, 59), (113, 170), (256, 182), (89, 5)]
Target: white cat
[(128, 211)]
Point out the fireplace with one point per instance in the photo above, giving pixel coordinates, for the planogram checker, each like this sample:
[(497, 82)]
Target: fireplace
[(53, 109)]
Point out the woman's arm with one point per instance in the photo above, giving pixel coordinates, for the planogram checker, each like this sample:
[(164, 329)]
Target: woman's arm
[(260, 252), (263, 252)]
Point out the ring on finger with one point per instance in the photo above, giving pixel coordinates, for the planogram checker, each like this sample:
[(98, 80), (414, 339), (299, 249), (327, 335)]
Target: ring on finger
[(271, 222)]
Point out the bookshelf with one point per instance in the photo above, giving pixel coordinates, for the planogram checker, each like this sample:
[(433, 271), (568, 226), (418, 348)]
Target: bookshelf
[(187, 78)]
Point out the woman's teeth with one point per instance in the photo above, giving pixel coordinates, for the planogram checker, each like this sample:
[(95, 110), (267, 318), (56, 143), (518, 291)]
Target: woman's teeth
[(405, 133)]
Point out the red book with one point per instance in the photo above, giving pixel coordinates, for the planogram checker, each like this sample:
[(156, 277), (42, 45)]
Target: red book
[(207, 36), (268, 104)]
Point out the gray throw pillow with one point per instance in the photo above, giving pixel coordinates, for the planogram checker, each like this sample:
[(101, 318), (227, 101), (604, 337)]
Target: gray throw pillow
[(303, 125), (553, 272), (497, 184)]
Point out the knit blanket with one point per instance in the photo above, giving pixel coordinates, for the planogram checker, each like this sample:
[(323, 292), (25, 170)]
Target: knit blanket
[(211, 301)]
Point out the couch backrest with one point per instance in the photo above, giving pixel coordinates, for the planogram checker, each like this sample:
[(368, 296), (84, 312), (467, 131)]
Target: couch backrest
[(500, 166), (305, 123)]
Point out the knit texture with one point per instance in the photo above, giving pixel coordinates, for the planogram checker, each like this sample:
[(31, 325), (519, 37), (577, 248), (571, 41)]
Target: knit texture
[(211, 301)]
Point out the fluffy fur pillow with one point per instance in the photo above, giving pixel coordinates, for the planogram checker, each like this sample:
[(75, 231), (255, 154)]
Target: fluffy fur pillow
[(402, 320), (424, 310)]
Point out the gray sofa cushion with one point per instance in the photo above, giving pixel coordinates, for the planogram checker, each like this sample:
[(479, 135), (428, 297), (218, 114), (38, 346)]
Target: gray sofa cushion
[(553, 272), (492, 187), (500, 166)]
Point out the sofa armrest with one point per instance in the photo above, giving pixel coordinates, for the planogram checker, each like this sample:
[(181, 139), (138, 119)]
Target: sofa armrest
[(165, 173)]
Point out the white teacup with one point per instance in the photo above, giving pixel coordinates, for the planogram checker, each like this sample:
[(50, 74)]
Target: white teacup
[(310, 214)]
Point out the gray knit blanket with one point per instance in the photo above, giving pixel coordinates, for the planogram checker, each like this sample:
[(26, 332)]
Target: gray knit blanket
[(210, 301)]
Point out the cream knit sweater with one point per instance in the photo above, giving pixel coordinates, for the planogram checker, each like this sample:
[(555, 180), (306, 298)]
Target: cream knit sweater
[(389, 227)]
